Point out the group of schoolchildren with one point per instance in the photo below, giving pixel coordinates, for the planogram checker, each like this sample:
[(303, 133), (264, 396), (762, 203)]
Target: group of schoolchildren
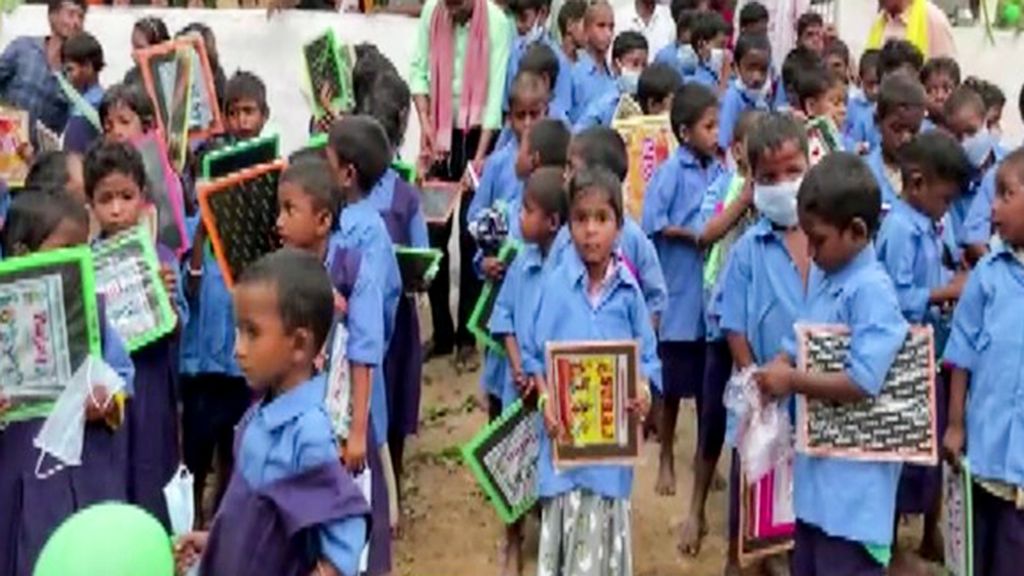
[(919, 221)]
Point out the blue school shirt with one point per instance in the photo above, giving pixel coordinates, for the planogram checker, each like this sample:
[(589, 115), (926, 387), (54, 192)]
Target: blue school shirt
[(498, 182), (910, 248), (589, 82), (734, 104), (986, 341), (288, 436), (598, 112), (845, 498), (971, 213), (79, 133), (713, 199), (860, 122), (674, 197), (382, 199), (672, 55), (565, 314), (635, 246), (561, 91), (876, 163), (705, 75), (364, 319)]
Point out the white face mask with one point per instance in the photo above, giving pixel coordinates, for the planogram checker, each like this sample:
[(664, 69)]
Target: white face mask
[(535, 33), (755, 95), (628, 81), (978, 147), (777, 202)]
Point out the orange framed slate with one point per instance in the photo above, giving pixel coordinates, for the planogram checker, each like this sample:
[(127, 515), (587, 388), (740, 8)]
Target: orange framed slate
[(205, 117), (240, 215)]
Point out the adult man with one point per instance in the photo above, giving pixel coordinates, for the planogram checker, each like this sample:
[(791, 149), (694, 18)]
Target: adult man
[(650, 18), (27, 66), (920, 22)]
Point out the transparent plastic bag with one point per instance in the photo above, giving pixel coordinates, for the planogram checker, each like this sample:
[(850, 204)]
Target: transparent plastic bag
[(178, 495), (764, 435)]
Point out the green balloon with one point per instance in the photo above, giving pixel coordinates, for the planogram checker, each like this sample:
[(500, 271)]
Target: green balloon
[(108, 539), (1011, 13)]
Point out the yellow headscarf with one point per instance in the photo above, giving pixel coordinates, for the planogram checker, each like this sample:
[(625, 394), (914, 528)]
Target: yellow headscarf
[(917, 27)]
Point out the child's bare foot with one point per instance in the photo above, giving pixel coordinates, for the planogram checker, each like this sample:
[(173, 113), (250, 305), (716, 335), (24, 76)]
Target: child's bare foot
[(512, 558), (691, 535), (666, 485)]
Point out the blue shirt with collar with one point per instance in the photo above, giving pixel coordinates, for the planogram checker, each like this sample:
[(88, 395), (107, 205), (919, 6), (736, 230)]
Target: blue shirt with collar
[(986, 341), (671, 56), (734, 104), (498, 182), (27, 83), (977, 222), (705, 75), (633, 244), (674, 197), (561, 92), (599, 112), (860, 296), (290, 435), (364, 318), (589, 82), (714, 200), (876, 163), (382, 198), (910, 248), (860, 121), (565, 314)]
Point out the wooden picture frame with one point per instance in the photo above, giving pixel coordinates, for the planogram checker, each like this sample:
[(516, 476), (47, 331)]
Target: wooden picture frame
[(165, 192), (13, 135), (439, 200), (649, 143), (760, 536), (480, 317), (328, 64), (898, 425), (203, 117), (246, 154), (590, 384), (127, 273), (418, 267), (503, 459), (958, 519), (49, 322), (240, 214)]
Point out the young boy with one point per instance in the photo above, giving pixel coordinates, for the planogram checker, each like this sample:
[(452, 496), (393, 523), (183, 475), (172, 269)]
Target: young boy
[(629, 59), (940, 76), (985, 401), (810, 32), (842, 532), (822, 94), (531, 89), (658, 84), (753, 56), (753, 19), (530, 17), (245, 105), (542, 60), (571, 30), (899, 55), (680, 54), (82, 58), (708, 38), (288, 478), (797, 62), (911, 248), (860, 106), (900, 111), (837, 57), (591, 77)]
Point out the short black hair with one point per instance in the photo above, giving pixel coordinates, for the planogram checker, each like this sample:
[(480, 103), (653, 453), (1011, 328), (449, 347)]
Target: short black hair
[(83, 48), (753, 13), (572, 11), (657, 82), (938, 155), (600, 179), (808, 20), (941, 65), (546, 187), (796, 62), (131, 96), (34, 214), (991, 94), (517, 7), (963, 97), (105, 158), (751, 42), (153, 29), (815, 82), (527, 84), (896, 54), (541, 59), (246, 86), (839, 189), (1013, 163), (770, 132), (549, 139), (679, 6), (868, 61), (361, 141), (684, 22), (746, 122), (313, 175), (388, 102), (836, 47), (707, 25), (689, 105), (900, 90), (627, 42), (49, 170), (55, 5), (370, 63), (305, 298), (602, 146)]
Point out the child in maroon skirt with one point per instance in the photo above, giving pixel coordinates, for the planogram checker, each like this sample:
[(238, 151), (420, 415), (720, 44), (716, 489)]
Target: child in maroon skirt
[(291, 508), (33, 506), (115, 179)]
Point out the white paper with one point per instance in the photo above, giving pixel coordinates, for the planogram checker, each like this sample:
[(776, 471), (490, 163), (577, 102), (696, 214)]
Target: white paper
[(363, 482)]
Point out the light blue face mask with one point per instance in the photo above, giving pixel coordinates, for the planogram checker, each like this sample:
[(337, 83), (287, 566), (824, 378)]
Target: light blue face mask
[(978, 147), (535, 33), (716, 59), (628, 81), (777, 202)]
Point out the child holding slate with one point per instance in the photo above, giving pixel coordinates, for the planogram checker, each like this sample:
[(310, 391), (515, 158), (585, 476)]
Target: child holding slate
[(984, 402), (590, 296), (291, 508), (82, 57), (115, 183), (36, 494), (126, 113), (844, 508)]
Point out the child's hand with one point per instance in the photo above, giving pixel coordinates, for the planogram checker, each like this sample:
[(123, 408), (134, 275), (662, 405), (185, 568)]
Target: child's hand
[(98, 404), (326, 98), (863, 148), (953, 445), (957, 284), (551, 423), (340, 304), (524, 384), (188, 549), (353, 452), (5, 404), (775, 379), (169, 277), (26, 152), (747, 193), (493, 268), (640, 405)]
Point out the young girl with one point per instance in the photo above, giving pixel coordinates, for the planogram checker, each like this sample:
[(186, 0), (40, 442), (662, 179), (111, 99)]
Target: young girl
[(590, 296), (35, 506), (940, 76), (985, 414), (148, 31), (126, 113), (672, 218), (750, 91), (115, 183), (544, 210)]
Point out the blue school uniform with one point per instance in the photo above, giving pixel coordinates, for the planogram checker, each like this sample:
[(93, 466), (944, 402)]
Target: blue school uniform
[(292, 434), (565, 314), (589, 82), (985, 341), (681, 58), (876, 163), (734, 103), (598, 112), (706, 75), (561, 91), (79, 133), (408, 223), (674, 197), (860, 296), (910, 248), (860, 121), (498, 182), (983, 185)]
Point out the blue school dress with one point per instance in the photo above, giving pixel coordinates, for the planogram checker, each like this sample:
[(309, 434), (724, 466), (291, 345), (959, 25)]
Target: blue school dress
[(289, 502), (33, 508), (589, 82), (860, 296), (735, 102)]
